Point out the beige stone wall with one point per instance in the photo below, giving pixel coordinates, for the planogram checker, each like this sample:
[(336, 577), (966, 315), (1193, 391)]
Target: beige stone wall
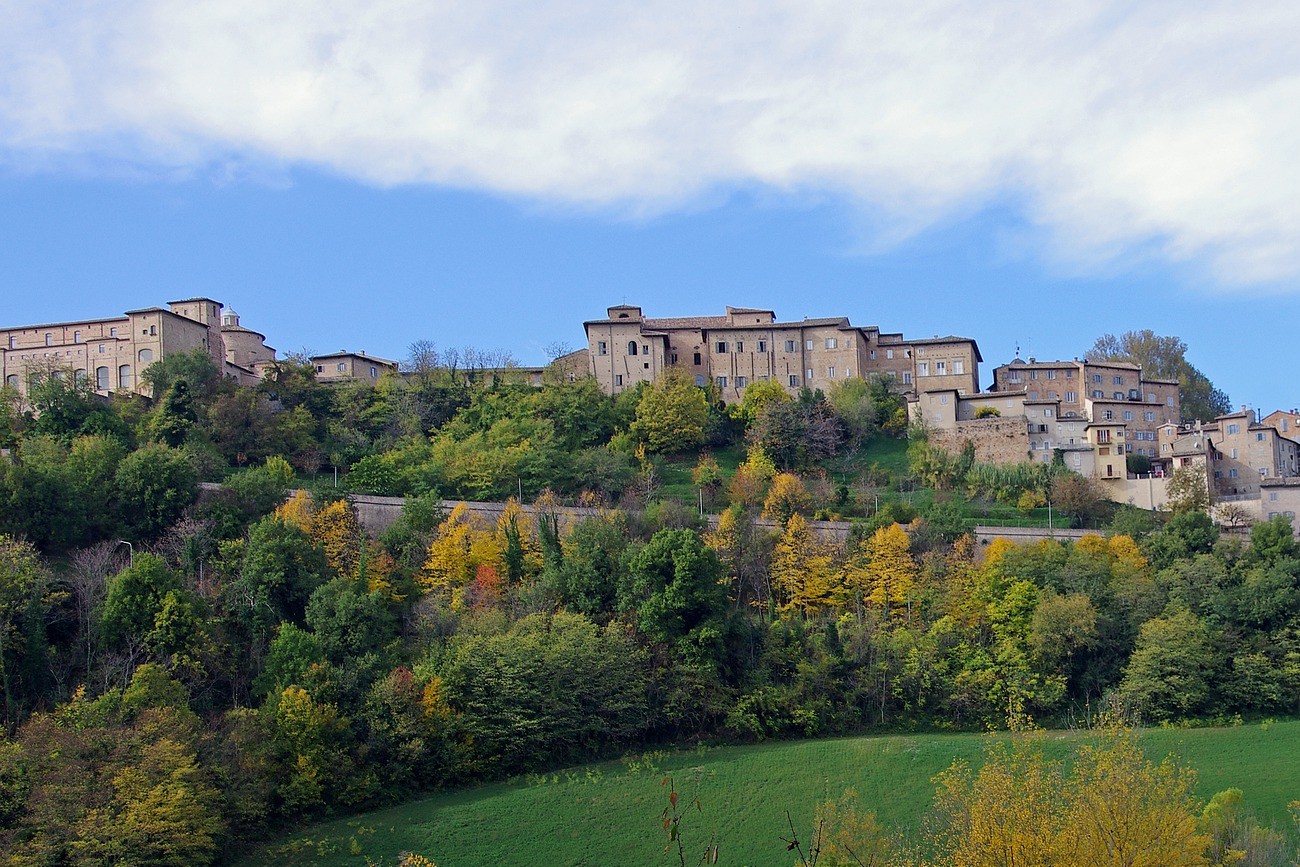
[(996, 440), (614, 367), (945, 365)]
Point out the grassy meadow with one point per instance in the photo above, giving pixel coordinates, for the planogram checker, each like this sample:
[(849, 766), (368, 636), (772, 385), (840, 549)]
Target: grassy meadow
[(609, 814)]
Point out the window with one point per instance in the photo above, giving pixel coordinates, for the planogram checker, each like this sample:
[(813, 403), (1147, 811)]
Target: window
[(741, 382), (848, 373), (1263, 471), (1232, 473), (1096, 377), (958, 366), (699, 380), (49, 340), (672, 359), (721, 347), (808, 344), (76, 337), (1286, 425), (830, 373), (697, 358), (1259, 437), (923, 368), (1234, 429), (1033, 395), (320, 368), (943, 399), (907, 377), (1118, 395), (889, 353), (146, 355), (602, 348), (645, 349), (1047, 413), (12, 381), (1051, 374), (101, 378), (124, 376), (153, 330), (1119, 380), (810, 374), (831, 343), (101, 347), (112, 332), (1014, 376), (1171, 400), (1272, 495), (941, 368), (1033, 374), (1071, 397), (740, 346), (631, 347), (1108, 414), (1149, 416), (13, 342), (873, 355), (373, 372), (762, 346), (618, 379), (342, 367), (721, 381), (794, 380), (790, 346), (1128, 415)]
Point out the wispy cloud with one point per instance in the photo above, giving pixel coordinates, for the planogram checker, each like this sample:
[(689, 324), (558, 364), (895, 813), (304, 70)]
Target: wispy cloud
[(1164, 126)]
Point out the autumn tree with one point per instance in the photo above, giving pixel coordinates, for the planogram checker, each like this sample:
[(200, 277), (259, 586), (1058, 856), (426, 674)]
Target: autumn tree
[(787, 496), (804, 576), (890, 571), (1187, 490), (671, 415)]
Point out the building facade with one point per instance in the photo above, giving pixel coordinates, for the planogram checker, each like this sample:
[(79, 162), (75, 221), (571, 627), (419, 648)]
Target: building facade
[(747, 345), (351, 367), (111, 353)]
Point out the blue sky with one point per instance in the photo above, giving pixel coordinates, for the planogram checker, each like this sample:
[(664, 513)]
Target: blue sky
[(397, 171)]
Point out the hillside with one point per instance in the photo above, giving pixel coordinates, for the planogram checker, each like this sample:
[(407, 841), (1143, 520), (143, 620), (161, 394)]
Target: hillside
[(608, 814)]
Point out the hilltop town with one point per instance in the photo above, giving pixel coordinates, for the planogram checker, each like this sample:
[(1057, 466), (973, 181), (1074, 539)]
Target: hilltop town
[(1107, 420)]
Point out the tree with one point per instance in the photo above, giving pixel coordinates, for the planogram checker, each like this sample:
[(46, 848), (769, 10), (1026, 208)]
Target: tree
[(156, 484), (1165, 358), (1079, 498), (757, 397), (891, 571), (803, 571), (176, 416), (22, 582), (671, 414), (787, 496), (673, 585), (1187, 491), (1172, 668)]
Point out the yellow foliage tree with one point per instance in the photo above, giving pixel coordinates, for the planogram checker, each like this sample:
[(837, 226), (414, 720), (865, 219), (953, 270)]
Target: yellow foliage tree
[(515, 524), (804, 576), (890, 571), (1113, 809), (334, 527), (297, 510), (460, 547), (787, 496)]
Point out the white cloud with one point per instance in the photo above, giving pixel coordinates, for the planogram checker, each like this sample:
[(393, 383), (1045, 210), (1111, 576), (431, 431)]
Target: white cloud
[(1164, 125)]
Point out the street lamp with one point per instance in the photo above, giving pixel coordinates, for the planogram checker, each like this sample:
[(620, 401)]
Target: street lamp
[(130, 551)]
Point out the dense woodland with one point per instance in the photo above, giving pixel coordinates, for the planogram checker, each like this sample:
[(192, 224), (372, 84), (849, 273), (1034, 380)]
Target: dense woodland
[(185, 671)]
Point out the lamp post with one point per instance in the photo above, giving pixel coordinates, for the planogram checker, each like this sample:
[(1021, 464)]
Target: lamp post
[(130, 551)]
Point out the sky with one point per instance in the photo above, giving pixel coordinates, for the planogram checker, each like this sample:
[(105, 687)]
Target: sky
[(364, 175)]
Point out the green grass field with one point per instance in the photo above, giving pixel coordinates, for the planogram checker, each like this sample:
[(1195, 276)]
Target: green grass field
[(609, 814)]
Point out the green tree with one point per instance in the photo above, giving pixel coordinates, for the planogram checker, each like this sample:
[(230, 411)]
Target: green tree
[(673, 585), (671, 414), (176, 416), (1165, 358), (22, 584), (1173, 667), (195, 368), (155, 485)]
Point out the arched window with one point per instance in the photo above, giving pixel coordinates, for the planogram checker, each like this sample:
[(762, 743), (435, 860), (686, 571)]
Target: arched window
[(124, 376), (12, 381), (101, 378), (631, 347), (146, 355)]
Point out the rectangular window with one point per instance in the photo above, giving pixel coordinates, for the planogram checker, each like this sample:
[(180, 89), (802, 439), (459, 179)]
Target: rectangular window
[(794, 380), (342, 365), (1263, 471), (1171, 400), (76, 337), (941, 368), (1033, 374), (1108, 415), (790, 346), (1234, 428), (831, 343), (762, 346), (721, 381), (112, 332), (721, 347), (673, 358), (697, 359), (602, 348), (1119, 380), (1071, 397), (830, 373), (741, 382), (1259, 437), (374, 372), (740, 347), (1013, 376), (923, 368), (810, 374), (959, 366), (13, 342), (1051, 374), (49, 340), (1033, 395), (808, 344), (618, 379), (1149, 416), (873, 355), (1096, 377), (645, 350), (907, 377), (1128, 415), (889, 353)]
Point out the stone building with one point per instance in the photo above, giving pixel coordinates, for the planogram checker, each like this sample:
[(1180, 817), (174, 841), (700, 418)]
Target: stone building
[(1286, 422), (112, 353), (343, 366), (246, 350), (747, 345), (1238, 452)]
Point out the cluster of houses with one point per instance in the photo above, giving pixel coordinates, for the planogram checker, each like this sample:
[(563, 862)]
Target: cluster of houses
[(1095, 416)]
